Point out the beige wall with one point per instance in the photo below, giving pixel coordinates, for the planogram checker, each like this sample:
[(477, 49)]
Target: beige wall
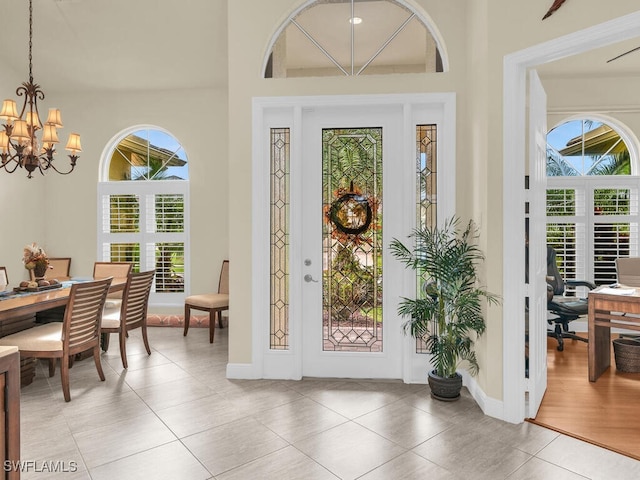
[(59, 212), (22, 203), (511, 29), (618, 98), (478, 34), (213, 125), (248, 40)]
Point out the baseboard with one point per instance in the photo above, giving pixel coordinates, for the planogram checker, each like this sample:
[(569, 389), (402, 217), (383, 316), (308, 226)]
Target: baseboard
[(489, 406), (242, 371)]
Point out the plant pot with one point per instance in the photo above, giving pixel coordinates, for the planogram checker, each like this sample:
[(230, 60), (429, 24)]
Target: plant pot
[(446, 389)]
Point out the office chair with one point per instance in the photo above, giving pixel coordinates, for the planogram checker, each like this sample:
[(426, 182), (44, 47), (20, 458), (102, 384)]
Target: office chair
[(564, 309)]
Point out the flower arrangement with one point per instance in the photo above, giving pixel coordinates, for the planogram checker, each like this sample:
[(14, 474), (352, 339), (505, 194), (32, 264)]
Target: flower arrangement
[(35, 258)]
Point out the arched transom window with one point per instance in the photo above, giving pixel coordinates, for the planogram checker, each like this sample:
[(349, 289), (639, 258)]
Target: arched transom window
[(354, 37), (586, 146)]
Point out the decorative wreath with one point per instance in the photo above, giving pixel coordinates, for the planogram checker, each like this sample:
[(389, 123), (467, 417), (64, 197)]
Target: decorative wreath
[(351, 214)]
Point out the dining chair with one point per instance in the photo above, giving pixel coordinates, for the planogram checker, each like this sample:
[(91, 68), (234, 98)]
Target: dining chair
[(112, 269), (59, 268), (78, 332), (131, 314), (115, 270), (4, 278), (214, 303)]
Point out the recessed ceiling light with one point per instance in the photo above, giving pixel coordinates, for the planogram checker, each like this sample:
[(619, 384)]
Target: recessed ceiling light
[(355, 20)]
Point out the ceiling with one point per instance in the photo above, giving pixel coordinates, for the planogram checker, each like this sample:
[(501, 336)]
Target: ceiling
[(117, 44), (84, 45), (594, 62)]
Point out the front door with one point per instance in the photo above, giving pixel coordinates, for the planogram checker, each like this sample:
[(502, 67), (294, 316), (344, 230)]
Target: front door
[(335, 179), (352, 199)]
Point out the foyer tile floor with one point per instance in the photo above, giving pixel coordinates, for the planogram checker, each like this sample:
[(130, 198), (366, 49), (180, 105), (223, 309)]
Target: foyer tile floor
[(174, 415)]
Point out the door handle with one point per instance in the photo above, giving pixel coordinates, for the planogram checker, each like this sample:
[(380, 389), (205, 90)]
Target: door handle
[(308, 278)]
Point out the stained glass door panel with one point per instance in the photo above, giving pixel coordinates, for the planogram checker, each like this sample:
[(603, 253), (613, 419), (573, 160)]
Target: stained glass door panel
[(351, 173), (352, 239)]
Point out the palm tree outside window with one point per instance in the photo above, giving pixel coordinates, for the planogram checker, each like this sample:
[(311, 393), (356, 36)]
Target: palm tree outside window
[(143, 202), (592, 198)]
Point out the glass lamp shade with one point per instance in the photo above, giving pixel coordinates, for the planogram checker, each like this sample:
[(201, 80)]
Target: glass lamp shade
[(20, 132), (54, 118), (9, 110), (73, 145)]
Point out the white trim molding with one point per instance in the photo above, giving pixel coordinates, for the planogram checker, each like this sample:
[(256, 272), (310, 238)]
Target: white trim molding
[(287, 111), (514, 156)]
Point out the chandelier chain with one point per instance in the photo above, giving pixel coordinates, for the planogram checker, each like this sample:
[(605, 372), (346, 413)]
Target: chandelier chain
[(30, 40), (25, 141)]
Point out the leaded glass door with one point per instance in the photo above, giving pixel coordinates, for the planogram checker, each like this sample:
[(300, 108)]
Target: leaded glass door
[(351, 206)]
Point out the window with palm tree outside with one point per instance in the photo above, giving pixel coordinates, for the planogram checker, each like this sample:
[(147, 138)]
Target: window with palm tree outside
[(142, 204), (592, 199)]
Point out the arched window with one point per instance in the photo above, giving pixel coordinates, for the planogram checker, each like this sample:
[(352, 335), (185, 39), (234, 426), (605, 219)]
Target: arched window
[(592, 196), (586, 146), (142, 204), (349, 37)]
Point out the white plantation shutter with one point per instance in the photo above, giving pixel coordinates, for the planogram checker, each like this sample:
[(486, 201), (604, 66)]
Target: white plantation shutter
[(143, 209), (591, 221)]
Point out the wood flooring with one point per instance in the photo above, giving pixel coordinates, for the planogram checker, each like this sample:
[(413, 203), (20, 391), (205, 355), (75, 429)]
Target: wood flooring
[(605, 413)]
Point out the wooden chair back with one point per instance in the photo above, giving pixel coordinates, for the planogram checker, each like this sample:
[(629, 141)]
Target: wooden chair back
[(4, 278), (135, 300), (59, 268), (112, 269), (82, 318), (628, 271), (223, 283)]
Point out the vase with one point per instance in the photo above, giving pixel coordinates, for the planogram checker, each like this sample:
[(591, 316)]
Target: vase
[(40, 270)]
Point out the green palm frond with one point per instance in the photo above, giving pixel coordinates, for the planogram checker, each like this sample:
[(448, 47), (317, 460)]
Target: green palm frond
[(449, 315)]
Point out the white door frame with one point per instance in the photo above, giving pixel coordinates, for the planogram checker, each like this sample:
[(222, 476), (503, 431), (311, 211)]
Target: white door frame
[(287, 364), (537, 294), (514, 148)]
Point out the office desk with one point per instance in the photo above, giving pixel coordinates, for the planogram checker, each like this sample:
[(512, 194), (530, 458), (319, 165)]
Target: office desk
[(607, 310)]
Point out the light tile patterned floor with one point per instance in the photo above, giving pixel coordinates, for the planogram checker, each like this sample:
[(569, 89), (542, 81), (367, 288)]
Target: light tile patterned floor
[(174, 415)]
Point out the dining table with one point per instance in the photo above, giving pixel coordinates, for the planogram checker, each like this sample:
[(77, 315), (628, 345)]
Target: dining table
[(18, 309)]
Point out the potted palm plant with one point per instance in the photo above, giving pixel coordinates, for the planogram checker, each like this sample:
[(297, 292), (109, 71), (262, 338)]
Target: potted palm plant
[(448, 314)]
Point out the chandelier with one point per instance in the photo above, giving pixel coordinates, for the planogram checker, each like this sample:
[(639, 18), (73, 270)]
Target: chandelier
[(19, 143)]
